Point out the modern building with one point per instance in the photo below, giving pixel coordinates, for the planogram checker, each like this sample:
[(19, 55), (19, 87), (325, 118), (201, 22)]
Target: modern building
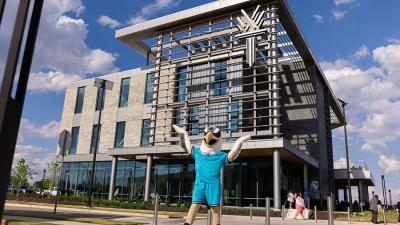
[(241, 65)]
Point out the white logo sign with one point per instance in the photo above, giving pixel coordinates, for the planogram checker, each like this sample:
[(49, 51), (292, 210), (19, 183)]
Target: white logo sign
[(251, 27)]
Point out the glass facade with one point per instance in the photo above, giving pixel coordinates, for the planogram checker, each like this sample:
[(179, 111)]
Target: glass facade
[(148, 96), (100, 99), (145, 140), (79, 100), (74, 141), (124, 92), (247, 181), (119, 135), (96, 132)]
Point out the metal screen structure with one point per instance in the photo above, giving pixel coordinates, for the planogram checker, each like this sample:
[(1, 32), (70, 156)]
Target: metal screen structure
[(202, 78)]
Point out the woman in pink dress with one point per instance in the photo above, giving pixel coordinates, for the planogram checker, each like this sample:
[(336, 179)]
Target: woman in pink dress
[(299, 206)]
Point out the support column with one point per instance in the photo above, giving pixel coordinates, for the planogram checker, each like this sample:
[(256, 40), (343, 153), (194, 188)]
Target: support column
[(305, 177), (366, 192), (148, 178), (345, 194), (277, 178), (114, 164), (360, 191)]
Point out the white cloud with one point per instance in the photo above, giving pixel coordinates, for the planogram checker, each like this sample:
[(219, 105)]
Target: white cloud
[(343, 2), (151, 9), (342, 164), (318, 18), (389, 164), (108, 21), (48, 130), (61, 53), (373, 94), (51, 81), (361, 52), (338, 15)]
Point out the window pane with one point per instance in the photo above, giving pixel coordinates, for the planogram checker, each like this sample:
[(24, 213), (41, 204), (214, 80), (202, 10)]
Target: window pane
[(74, 142), (124, 93), (182, 84), (149, 88), (146, 132), (79, 100), (220, 71), (94, 145), (119, 135), (100, 99)]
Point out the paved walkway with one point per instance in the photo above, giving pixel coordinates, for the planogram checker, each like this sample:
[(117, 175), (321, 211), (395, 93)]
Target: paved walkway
[(124, 215), (42, 220)]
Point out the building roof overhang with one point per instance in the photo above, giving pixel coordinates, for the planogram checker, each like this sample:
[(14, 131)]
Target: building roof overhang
[(134, 35)]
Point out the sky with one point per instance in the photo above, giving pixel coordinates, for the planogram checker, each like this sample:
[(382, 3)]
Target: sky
[(357, 43)]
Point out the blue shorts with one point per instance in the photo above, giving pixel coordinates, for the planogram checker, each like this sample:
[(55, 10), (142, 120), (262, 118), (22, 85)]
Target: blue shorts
[(207, 193)]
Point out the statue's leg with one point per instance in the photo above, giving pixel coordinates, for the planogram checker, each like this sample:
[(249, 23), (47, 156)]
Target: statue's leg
[(192, 213), (215, 215)]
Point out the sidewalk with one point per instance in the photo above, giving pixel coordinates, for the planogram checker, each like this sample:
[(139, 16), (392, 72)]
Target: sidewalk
[(42, 220)]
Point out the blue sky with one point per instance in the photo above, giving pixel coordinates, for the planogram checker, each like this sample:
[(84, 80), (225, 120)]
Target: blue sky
[(357, 43)]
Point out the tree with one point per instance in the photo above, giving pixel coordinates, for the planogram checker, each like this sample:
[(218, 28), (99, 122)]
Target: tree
[(51, 181), (21, 174)]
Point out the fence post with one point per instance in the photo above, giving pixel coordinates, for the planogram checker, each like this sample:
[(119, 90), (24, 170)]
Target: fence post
[(315, 213), (155, 216), (283, 212), (330, 212), (251, 211), (267, 211), (348, 215)]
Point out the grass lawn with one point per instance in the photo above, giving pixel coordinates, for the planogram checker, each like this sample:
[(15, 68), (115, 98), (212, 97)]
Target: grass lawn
[(13, 222), (64, 217)]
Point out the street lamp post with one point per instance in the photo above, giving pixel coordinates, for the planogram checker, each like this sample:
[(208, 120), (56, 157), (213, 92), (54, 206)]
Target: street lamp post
[(347, 155), (102, 85)]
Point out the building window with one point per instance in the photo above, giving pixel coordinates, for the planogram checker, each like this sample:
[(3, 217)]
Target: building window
[(124, 92), (148, 96), (79, 100), (220, 83), (146, 128), (182, 84), (119, 135), (94, 144), (74, 141), (100, 99)]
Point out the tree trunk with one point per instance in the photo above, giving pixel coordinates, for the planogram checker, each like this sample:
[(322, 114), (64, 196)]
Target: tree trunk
[(18, 189)]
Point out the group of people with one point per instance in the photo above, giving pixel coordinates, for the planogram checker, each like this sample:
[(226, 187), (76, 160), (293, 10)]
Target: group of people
[(375, 206), (297, 201)]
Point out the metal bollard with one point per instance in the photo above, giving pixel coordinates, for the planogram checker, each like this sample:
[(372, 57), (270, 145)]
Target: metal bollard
[(384, 215), (283, 212), (348, 215), (209, 217), (155, 216), (251, 211), (267, 212), (315, 214), (330, 211)]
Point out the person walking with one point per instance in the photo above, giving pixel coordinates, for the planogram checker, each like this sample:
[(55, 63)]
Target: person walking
[(299, 206), (373, 206), (290, 199)]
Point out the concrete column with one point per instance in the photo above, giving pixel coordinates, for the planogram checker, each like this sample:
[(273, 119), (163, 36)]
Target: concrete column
[(360, 191), (148, 178), (366, 192), (114, 164), (305, 177), (345, 194), (277, 178)]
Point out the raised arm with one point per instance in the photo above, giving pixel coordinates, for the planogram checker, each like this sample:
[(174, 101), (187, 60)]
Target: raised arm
[(185, 141), (237, 147)]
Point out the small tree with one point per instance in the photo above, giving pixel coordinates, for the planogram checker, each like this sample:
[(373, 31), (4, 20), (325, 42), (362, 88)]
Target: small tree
[(21, 173), (51, 181)]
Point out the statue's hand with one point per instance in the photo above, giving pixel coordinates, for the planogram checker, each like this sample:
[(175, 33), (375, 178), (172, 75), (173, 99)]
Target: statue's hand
[(178, 129)]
